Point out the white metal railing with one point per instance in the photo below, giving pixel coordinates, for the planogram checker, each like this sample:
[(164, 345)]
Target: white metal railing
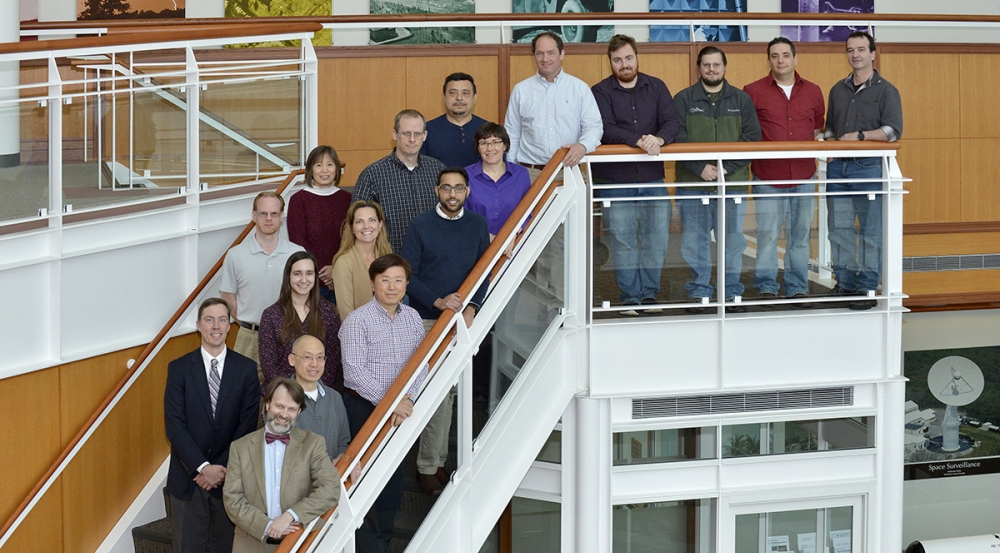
[(132, 124), (889, 190)]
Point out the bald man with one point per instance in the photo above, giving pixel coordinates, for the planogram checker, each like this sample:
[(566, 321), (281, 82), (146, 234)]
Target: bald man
[(324, 413)]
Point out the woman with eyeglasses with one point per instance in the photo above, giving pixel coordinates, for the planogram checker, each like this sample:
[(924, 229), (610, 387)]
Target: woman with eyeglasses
[(363, 240), (299, 310), (495, 184)]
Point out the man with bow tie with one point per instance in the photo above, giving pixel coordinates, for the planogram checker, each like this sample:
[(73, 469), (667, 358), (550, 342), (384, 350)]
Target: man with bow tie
[(279, 478), (211, 399)]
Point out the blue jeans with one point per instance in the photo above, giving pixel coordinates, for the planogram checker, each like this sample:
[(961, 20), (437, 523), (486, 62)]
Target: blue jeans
[(699, 221), (796, 214), (638, 232), (856, 251)]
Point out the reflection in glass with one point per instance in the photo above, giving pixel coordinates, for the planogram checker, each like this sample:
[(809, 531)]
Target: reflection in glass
[(664, 527), (663, 446), (551, 451), (535, 525), (802, 531), (24, 174), (744, 440)]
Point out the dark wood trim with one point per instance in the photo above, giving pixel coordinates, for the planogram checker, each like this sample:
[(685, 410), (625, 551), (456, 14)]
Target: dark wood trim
[(506, 523), (959, 301), (25, 226), (504, 86), (72, 218), (951, 228)]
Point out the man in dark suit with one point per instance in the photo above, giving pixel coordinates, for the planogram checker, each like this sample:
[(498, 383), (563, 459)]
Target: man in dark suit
[(280, 478), (211, 399)]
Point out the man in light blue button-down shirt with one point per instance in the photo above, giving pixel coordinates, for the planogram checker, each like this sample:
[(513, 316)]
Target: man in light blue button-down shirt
[(551, 110)]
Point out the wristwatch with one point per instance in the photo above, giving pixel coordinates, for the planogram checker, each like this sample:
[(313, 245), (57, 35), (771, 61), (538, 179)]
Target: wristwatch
[(861, 135)]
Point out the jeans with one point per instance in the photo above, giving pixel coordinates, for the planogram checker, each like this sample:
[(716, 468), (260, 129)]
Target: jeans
[(700, 221), (856, 251), (796, 214), (638, 232)]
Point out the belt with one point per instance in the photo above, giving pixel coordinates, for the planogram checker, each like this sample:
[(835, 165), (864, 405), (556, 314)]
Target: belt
[(353, 392), (533, 166), (250, 326), (272, 541)]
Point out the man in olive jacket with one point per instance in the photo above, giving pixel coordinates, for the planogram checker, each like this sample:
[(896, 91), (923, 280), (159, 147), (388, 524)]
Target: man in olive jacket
[(713, 111)]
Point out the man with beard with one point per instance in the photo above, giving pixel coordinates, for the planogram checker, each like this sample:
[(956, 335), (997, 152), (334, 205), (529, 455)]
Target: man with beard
[(637, 110), (210, 400), (863, 106), (403, 181), (713, 111), (443, 245), (450, 136), (265, 502), (253, 271)]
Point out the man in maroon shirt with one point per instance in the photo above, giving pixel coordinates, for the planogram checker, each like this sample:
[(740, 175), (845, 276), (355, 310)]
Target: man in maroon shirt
[(788, 108)]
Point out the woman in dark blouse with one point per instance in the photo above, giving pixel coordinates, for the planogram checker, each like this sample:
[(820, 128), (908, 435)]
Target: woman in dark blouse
[(299, 310)]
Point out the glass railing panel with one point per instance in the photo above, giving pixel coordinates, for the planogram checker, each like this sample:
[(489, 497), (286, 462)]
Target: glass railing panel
[(664, 526), (24, 158), (789, 245), (251, 129), (526, 317), (122, 146)]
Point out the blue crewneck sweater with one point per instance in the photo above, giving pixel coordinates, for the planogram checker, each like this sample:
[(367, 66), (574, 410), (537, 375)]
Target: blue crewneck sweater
[(442, 253)]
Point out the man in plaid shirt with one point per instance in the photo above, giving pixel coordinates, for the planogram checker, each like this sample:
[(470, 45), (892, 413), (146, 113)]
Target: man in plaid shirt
[(402, 182), (377, 340)]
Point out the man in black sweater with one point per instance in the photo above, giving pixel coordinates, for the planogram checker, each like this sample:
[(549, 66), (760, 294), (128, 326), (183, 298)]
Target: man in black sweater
[(443, 245)]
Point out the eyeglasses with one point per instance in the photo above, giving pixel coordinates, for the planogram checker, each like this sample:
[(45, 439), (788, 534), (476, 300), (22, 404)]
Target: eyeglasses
[(309, 358), (715, 65), (447, 188), (385, 281), (491, 144)]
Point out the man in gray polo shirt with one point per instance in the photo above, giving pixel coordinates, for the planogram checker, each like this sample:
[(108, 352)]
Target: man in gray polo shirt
[(864, 106), (253, 270), (324, 411)]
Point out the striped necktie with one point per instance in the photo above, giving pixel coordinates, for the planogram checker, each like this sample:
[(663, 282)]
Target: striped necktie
[(213, 383)]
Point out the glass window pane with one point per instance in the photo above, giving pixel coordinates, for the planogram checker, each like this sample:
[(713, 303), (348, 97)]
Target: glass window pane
[(663, 446), (535, 525), (849, 433), (741, 440), (664, 527), (551, 451), (788, 531), (793, 436)]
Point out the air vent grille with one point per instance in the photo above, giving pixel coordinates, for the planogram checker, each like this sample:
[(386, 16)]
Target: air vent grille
[(680, 406)]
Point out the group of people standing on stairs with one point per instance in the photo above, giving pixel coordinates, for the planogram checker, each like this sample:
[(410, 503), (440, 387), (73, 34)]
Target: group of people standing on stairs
[(329, 317)]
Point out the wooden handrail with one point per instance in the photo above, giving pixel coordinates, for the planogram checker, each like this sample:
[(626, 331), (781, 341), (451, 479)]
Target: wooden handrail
[(135, 366), (399, 386), (728, 147), (515, 17), (190, 32)]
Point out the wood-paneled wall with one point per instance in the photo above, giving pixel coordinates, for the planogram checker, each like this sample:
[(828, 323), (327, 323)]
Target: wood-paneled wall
[(91, 495)]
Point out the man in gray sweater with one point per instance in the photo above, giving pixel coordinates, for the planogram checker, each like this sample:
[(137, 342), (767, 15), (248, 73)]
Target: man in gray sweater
[(324, 411)]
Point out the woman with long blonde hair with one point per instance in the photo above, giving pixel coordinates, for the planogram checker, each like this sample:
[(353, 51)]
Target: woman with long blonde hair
[(363, 239)]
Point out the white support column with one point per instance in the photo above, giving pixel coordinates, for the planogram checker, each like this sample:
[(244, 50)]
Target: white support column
[(591, 506), (311, 93), (884, 512), (10, 114), (350, 37), (192, 92)]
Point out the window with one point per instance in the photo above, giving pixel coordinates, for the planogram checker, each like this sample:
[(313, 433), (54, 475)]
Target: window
[(664, 446), (664, 527), (744, 440)]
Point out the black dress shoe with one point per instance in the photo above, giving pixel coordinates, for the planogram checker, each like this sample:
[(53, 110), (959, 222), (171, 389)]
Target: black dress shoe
[(429, 484), (800, 297), (442, 476), (861, 305)]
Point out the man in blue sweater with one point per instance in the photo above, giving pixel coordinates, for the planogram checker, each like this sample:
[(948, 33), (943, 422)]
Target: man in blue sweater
[(443, 245)]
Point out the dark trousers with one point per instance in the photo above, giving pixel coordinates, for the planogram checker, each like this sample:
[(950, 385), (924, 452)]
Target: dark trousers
[(376, 533), (200, 524)]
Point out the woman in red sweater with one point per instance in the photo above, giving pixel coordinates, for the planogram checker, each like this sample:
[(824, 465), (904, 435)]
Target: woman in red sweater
[(316, 213)]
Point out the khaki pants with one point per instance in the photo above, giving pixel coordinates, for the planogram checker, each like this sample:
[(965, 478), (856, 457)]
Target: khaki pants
[(433, 451), (246, 345)]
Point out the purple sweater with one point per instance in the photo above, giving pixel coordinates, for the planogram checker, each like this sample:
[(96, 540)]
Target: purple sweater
[(314, 222)]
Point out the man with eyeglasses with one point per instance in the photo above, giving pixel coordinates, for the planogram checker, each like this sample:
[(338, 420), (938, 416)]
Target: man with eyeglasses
[(711, 110), (637, 110), (443, 245), (450, 137), (376, 341), (403, 181), (252, 273), (323, 412)]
